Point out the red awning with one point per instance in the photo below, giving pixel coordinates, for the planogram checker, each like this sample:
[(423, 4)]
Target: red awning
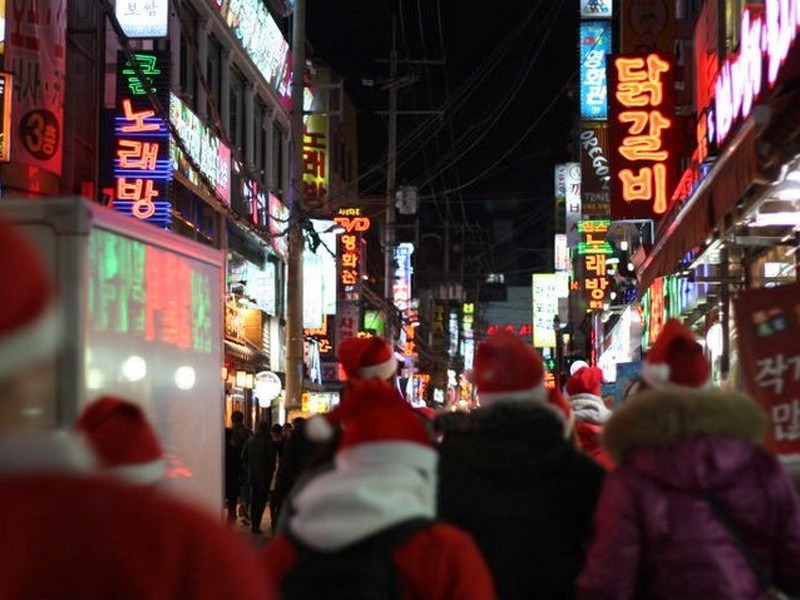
[(688, 226)]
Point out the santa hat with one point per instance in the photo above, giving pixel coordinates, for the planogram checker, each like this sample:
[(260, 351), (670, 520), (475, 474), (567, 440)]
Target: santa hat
[(586, 381), (30, 322), (507, 369), (367, 357), (676, 359), (372, 411), (123, 440)]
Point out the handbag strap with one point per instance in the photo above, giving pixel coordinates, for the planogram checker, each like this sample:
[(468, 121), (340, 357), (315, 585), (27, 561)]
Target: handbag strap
[(761, 574)]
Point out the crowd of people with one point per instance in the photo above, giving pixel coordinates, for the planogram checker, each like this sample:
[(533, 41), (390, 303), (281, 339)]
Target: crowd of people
[(537, 493)]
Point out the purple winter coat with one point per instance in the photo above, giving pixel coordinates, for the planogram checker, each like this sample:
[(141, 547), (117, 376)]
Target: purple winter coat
[(656, 537)]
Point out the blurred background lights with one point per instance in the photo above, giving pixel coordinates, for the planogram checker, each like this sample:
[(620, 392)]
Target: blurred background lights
[(185, 377), (134, 368)]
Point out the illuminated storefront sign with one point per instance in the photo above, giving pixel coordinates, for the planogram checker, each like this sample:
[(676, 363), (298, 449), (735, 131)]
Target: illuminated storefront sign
[(143, 18), (593, 250), (142, 169), (315, 161), (573, 202), (596, 9), (6, 86), (560, 252), (204, 148), (401, 285), (324, 337), (526, 329), (545, 308), (260, 37), (350, 255), (766, 36), (641, 128), (595, 45), (278, 225), (595, 171)]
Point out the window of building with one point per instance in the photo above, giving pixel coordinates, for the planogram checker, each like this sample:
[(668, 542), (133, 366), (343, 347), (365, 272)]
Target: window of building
[(277, 158), (236, 133), (214, 77), (188, 72), (259, 138)]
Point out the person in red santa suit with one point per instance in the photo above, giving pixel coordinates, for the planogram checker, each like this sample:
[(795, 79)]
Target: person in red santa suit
[(68, 532), (513, 477), (590, 412), (383, 475), (123, 439)]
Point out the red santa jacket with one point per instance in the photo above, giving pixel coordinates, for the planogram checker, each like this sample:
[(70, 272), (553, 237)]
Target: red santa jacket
[(69, 534), (439, 562)]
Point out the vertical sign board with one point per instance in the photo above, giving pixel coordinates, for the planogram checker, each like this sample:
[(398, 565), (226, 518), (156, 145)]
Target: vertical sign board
[(595, 171), (768, 325), (351, 254), (35, 52), (596, 9), (560, 197), (573, 208), (647, 25), (595, 44), (142, 168), (6, 87), (143, 18), (592, 251), (278, 225), (642, 132), (315, 161), (545, 308)]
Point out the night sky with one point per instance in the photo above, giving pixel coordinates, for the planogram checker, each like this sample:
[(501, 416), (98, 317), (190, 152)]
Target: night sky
[(505, 101)]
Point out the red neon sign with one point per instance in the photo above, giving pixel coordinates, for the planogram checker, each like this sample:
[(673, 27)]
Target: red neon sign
[(641, 123)]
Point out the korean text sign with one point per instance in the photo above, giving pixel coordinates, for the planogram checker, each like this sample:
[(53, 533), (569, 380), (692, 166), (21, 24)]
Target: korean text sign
[(768, 325), (641, 135)]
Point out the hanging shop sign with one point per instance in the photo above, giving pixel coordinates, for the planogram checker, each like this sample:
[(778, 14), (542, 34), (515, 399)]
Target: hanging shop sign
[(278, 225), (595, 45), (315, 161), (595, 171), (143, 18), (768, 325), (545, 309), (6, 87), (573, 209), (647, 25), (641, 132), (593, 250), (35, 52), (596, 9), (142, 168), (324, 336)]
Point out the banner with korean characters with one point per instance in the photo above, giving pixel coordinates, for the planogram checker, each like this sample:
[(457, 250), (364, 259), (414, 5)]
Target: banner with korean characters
[(768, 325), (35, 52)]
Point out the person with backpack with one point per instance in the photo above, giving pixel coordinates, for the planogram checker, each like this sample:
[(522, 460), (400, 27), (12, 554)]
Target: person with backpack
[(366, 527)]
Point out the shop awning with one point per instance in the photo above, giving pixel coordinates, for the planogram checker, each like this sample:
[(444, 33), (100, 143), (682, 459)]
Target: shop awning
[(688, 226)]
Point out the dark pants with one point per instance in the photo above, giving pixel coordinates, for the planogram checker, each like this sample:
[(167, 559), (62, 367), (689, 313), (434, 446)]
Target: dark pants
[(259, 493)]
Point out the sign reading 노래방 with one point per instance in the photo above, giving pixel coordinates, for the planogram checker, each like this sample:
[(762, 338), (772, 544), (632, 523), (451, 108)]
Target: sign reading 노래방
[(768, 325)]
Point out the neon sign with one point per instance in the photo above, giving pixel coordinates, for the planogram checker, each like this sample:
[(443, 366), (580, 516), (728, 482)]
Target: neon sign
[(642, 113), (315, 161), (594, 248), (142, 169), (351, 253), (595, 44), (766, 37)]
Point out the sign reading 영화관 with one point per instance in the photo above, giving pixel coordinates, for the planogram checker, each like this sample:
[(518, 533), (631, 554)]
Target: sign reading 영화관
[(768, 325)]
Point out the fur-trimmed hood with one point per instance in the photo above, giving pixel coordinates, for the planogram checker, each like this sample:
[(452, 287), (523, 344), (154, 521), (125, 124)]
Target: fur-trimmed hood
[(687, 438)]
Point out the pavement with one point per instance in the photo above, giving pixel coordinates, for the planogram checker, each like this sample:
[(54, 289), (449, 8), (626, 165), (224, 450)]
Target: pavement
[(242, 527)]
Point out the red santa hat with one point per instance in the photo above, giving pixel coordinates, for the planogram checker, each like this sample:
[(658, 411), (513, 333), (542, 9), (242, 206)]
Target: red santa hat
[(367, 357), (507, 369), (676, 359), (30, 321), (123, 440), (372, 411), (586, 381)]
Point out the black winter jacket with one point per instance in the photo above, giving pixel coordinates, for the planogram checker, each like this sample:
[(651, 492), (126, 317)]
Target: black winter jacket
[(525, 494)]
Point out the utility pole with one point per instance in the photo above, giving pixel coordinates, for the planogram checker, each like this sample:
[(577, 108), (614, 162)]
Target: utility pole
[(391, 166), (294, 264)]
